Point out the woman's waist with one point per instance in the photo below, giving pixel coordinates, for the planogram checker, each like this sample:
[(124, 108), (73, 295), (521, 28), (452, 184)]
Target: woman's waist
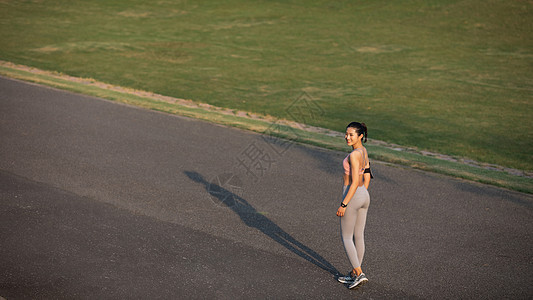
[(347, 180), (348, 186)]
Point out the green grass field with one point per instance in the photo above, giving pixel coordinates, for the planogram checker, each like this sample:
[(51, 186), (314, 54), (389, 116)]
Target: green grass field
[(454, 77)]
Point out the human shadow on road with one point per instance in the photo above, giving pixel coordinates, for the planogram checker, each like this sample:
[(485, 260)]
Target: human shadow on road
[(252, 218)]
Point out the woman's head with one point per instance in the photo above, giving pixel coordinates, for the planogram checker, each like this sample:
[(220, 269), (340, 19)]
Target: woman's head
[(359, 129)]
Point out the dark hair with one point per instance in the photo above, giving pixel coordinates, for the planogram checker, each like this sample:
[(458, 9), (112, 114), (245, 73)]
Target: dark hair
[(360, 128)]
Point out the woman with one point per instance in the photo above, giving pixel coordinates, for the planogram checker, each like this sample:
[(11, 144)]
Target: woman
[(356, 200)]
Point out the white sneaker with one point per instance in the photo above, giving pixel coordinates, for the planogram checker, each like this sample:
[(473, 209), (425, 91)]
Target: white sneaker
[(347, 279), (359, 281)]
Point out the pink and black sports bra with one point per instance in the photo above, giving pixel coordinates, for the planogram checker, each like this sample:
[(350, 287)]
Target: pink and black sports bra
[(348, 170)]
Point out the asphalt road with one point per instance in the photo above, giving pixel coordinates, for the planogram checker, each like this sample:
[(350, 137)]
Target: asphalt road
[(105, 201)]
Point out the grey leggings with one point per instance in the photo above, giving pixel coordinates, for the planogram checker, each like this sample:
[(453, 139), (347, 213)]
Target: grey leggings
[(353, 225)]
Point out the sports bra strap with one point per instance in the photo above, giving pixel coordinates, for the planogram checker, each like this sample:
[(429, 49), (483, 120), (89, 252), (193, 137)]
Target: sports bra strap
[(363, 152), (364, 157)]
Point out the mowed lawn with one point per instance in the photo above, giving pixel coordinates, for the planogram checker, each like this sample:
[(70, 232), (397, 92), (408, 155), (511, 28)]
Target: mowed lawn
[(454, 77)]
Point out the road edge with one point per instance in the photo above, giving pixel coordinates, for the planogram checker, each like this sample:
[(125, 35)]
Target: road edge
[(295, 132)]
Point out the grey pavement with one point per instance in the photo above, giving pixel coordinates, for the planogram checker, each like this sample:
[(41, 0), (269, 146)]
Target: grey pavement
[(105, 201)]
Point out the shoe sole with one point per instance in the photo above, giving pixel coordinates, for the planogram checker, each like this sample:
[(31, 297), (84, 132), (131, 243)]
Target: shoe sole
[(358, 285), (345, 281)]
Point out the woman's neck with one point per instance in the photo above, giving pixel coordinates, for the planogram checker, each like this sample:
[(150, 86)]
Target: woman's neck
[(358, 145)]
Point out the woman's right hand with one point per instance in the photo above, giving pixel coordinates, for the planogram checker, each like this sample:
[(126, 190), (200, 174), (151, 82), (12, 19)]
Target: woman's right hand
[(340, 211)]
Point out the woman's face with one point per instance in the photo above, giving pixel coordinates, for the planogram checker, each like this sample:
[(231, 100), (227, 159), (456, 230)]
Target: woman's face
[(351, 136)]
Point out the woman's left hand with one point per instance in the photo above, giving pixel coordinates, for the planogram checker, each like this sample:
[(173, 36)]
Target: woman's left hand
[(340, 211)]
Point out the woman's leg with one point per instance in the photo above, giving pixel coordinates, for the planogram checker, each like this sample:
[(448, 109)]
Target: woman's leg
[(359, 229), (353, 227), (347, 233), (359, 233)]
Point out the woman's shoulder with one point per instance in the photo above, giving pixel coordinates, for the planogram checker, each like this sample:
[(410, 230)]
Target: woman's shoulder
[(356, 153), (360, 150)]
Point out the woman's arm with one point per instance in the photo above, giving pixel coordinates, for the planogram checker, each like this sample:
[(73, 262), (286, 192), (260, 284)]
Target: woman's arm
[(366, 180), (354, 165), (367, 176)]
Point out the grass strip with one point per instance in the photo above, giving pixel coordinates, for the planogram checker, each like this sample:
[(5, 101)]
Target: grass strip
[(377, 152)]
